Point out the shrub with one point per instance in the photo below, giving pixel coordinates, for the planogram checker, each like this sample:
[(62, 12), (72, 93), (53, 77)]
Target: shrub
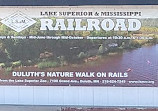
[(16, 64), (101, 50), (154, 40), (2, 65), (135, 44), (81, 55), (62, 60), (8, 70), (27, 63), (48, 64)]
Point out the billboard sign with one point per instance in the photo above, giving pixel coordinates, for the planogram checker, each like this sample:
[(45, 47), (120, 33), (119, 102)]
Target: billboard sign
[(79, 46)]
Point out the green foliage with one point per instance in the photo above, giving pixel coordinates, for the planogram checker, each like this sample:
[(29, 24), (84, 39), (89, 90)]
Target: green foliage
[(154, 40), (122, 46), (23, 50), (28, 63), (8, 70), (81, 55), (135, 44), (62, 60), (16, 64), (47, 64), (3, 57), (2, 65), (101, 49)]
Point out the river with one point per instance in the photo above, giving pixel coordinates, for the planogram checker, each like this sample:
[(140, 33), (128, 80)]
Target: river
[(141, 64)]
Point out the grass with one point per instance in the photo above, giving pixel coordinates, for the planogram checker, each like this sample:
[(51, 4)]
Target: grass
[(47, 64)]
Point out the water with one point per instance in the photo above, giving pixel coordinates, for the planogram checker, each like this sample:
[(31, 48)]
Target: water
[(141, 65)]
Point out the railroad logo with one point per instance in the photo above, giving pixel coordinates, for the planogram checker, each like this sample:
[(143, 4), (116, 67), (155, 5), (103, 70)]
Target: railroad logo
[(18, 21)]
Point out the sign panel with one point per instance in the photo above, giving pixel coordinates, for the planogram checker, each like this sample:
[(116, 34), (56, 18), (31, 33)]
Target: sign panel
[(79, 46)]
